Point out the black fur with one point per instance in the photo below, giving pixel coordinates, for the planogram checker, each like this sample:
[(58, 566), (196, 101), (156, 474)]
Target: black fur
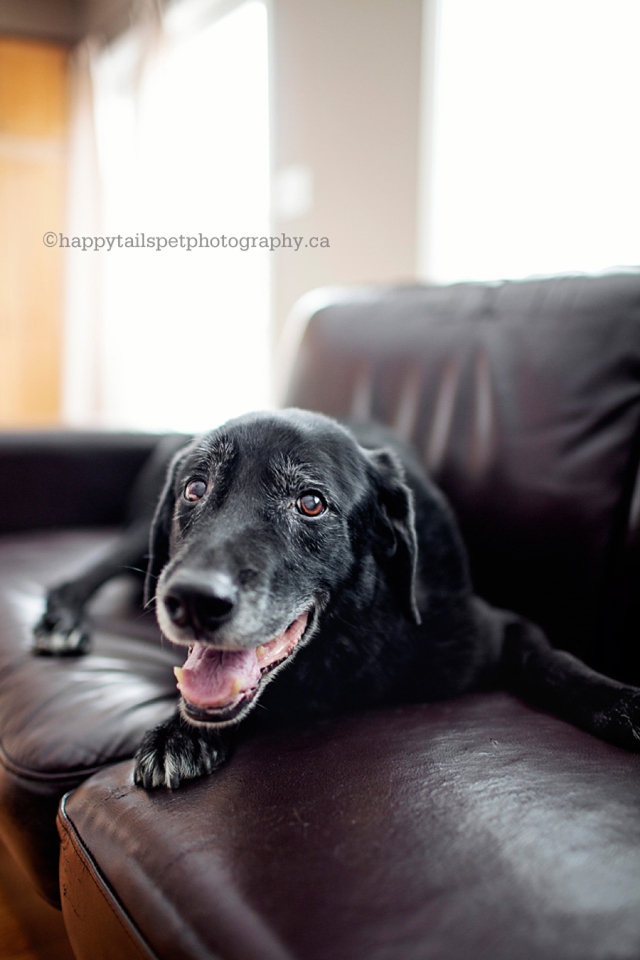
[(382, 573)]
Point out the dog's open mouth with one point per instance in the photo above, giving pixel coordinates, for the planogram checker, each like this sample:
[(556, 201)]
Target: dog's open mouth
[(216, 685)]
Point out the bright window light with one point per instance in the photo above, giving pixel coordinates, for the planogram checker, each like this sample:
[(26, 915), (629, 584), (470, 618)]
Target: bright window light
[(536, 139), (183, 150)]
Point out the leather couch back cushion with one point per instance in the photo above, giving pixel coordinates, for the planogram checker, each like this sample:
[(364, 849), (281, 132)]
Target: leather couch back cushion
[(524, 401)]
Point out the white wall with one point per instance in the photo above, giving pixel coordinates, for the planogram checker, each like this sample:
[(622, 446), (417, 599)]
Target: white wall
[(346, 89)]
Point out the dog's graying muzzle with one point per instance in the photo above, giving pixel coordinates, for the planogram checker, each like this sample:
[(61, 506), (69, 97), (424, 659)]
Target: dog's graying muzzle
[(202, 603)]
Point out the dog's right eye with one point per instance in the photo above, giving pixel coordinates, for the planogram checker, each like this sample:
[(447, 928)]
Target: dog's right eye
[(311, 504), (195, 490)]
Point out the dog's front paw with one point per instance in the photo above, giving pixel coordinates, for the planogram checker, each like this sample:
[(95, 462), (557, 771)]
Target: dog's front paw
[(59, 631), (620, 724), (176, 751)]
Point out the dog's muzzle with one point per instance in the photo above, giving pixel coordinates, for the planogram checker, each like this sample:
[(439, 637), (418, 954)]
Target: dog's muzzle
[(217, 685)]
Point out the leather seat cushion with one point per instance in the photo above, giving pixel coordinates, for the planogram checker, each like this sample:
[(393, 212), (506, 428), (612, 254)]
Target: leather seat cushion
[(471, 828), (61, 719)]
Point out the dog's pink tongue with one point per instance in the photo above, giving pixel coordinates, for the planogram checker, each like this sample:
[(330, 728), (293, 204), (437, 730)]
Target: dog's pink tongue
[(215, 678)]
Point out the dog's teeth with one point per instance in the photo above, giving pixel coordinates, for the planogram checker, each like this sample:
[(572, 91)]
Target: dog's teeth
[(236, 688), (260, 652), (178, 671)]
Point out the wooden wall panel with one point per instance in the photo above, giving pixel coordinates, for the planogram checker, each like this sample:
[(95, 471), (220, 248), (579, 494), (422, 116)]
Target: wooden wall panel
[(33, 112)]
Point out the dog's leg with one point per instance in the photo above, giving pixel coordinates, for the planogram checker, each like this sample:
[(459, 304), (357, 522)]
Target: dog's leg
[(177, 751), (60, 630), (557, 681)]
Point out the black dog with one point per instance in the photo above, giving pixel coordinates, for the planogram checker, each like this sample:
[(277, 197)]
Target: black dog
[(312, 575)]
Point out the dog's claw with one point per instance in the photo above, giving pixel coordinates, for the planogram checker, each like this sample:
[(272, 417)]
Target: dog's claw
[(175, 752), (60, 644)]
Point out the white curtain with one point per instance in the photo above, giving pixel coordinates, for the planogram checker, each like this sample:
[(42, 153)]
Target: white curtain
[(81, 402), (180, 110)]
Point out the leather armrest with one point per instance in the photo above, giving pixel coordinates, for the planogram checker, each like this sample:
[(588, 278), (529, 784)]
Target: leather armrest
[(68, 478)]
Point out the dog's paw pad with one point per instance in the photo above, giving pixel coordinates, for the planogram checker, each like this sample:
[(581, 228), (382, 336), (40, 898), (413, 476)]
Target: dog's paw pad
[(172, 754)]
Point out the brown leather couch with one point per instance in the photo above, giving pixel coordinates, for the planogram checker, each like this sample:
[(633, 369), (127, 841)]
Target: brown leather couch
[(468, 829)]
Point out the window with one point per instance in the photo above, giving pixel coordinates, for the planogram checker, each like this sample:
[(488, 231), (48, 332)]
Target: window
[(536, 141)]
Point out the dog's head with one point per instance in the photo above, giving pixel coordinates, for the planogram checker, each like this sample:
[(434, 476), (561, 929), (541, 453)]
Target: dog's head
[(261, 525)]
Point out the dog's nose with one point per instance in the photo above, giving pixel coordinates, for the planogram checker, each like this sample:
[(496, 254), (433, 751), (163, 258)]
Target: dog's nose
[(203, 605)]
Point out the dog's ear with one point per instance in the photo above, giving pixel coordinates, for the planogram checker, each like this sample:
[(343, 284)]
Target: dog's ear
[(396, 526), (161, 529)]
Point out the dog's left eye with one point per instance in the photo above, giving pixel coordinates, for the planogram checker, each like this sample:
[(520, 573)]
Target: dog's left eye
[(195, 490), (311, 505)]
